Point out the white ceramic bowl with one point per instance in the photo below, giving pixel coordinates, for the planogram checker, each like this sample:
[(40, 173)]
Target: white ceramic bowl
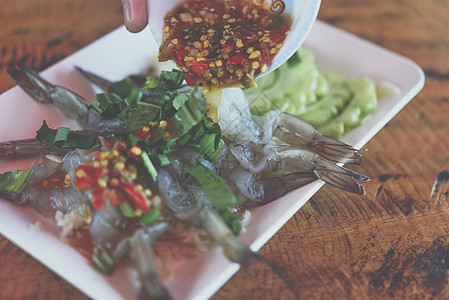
[(304, 14)]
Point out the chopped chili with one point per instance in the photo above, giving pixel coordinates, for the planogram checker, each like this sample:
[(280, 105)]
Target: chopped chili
[(222, 43), (111, 177)]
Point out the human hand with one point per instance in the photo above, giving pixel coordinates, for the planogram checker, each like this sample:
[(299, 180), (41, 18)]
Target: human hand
[(135, 14)]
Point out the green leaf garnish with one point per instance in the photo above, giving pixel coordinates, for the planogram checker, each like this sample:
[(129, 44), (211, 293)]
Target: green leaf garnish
[(136, 117), (15, 181), (218, 193), (179, 101), (173, 78), (109, 105), (126, 90), (151, 83), (62, 138), (150, 217), (149, 165)]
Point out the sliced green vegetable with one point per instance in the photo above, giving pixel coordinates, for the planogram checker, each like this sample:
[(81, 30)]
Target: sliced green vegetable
[(185, 119), (151, 83), (136, 117), (361, 106), (213, 186), (217, 191), (179, 101), (126, 209), (326, 100), (150, 217), (126, 90), (108, 105), (173, 78), (15, 181), (233, 221), (62, 138), (104, 262), (149, 165)]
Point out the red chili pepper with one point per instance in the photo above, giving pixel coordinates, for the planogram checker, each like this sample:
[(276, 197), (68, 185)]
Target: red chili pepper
[(197, 67), (143, 133), (277, 37), (283, 29), (138, 198), (117, 200), (87, 176), (97, 198), (182, 53), (120, 148), (85, 183), (235, 60), (108, 145), (191, 80)]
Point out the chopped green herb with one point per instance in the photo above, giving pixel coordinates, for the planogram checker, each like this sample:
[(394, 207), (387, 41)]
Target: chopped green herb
[(149, 218), (62, 138), (218, 193), (149, 165), (213, 186), (136, 117), (179, 101), (15, 181), (126, 209), (104, 262), (173, 78), (108, 105), (126, 90), (151, 83)]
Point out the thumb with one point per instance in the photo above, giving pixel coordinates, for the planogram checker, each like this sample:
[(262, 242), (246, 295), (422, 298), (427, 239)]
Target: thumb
[(135, 14)]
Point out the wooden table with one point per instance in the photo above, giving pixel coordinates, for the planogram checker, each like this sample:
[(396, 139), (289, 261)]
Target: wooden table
[(391, 243)]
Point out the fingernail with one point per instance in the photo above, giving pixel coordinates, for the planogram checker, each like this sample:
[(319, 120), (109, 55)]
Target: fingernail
[(127, 12)]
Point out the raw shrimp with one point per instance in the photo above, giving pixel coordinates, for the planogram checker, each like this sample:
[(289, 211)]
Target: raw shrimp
[(240, 127), (243, 183), (32, 146), (189, 203), (257, 191), (271, 159), (140, 248), (262, 170), (67, 102), (46, 192), (28, 147)]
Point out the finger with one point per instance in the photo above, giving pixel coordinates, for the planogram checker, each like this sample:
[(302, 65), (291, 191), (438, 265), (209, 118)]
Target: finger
[(135, 14)]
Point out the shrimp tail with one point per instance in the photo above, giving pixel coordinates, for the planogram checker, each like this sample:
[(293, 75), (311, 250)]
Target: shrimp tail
[(272, 188), (279, 186), (135, 79), (340, 177), (335, 150), (12, 196), (298, 132), (143, 256), (34, 85), (101, 82), (72, 105)]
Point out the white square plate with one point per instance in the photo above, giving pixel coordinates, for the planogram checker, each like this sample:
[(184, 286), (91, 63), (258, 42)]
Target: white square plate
[(121, 53)]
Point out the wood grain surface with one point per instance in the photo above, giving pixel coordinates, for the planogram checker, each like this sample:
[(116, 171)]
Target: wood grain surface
[(392, 243)]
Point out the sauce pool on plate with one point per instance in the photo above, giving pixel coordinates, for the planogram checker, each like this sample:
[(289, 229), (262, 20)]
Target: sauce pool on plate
[(223, 43)]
